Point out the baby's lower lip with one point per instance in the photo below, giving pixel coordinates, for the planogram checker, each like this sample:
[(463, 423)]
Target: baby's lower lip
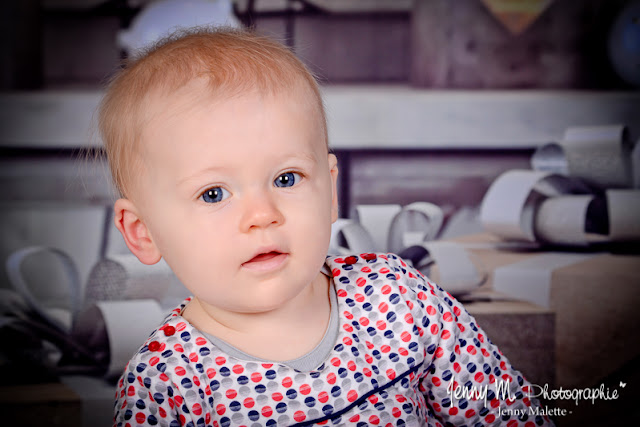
[(266, 262)]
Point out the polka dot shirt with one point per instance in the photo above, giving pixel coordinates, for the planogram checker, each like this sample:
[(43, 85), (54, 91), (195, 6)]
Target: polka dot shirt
[(406, 354)]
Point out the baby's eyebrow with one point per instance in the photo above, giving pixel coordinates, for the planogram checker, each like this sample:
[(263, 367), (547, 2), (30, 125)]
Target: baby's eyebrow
[(202, 172)]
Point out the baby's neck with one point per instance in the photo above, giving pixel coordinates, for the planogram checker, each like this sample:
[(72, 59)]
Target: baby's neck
[(278, 335)]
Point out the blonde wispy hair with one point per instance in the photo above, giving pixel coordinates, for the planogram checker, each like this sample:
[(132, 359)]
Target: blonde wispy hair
[(233, 62)]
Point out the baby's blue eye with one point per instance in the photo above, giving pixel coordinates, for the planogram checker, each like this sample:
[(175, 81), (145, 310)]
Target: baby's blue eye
[(214, 195), (287, 179)]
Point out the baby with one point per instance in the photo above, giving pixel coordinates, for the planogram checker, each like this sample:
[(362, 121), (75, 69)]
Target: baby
[(217, 141)]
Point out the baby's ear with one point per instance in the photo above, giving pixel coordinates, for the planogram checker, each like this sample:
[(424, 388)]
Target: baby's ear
[(135, 232), (333, 171)]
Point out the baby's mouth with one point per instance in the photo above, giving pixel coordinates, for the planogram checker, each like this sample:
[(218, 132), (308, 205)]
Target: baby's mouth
[(266, 261)]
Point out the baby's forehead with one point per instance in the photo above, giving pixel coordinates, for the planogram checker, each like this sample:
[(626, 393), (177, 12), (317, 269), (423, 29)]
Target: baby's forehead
[(162, 103)]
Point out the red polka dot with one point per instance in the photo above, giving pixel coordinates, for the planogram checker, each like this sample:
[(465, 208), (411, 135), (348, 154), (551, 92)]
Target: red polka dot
[(361, 281), (153, 346), (180, 370), (453, 411), (287, 382), (237, 369), (169, 330), (490, 418), (391, 374), (439, 353), (256, 377), (178, 348), (221, 409), (231, 393), (196, 409), (277, 396), (386, 290), (323, 397), (374, 420), (408, 318), (248, 402), (193, 357), (434, 329), (267, 411), (305, 389), (140, 418), (381, 324), (363, 321), (383, 307), (445, 335), (154, 360), (181, 326), (211, 373), (352, 395), (299, 416), (201, 341), (436, 381), (470, 413)]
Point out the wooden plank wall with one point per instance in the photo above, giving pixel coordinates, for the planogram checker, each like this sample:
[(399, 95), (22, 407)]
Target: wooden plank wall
[(462, 45)]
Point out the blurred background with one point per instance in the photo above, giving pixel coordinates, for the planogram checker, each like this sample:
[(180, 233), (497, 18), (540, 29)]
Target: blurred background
[(427, 100)]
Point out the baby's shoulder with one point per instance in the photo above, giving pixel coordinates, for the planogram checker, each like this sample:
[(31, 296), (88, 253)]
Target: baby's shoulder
[(378, 272)]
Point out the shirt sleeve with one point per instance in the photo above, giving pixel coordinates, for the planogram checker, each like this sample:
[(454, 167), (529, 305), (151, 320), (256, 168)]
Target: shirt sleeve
[(145, 396), (466, 380)]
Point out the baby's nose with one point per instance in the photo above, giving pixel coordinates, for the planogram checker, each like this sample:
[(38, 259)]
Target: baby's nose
[(261, 211)]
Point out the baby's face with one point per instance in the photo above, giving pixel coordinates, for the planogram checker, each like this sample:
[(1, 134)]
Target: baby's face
[(238, 195)]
